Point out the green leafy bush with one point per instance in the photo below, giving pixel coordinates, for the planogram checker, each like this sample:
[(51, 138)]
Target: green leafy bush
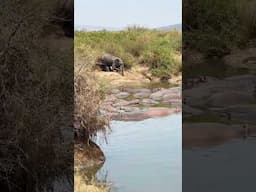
[(162, 62)]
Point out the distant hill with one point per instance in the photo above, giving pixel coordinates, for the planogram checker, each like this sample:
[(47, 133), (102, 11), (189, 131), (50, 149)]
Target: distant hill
[(94, 28), (99, 28), (171, 27)]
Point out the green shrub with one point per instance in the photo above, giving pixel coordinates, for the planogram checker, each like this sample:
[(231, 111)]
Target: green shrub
[(135, 45), (162, 61), (214, 27)]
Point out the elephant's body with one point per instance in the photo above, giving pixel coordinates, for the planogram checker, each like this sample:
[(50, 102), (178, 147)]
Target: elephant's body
[(111, 63)]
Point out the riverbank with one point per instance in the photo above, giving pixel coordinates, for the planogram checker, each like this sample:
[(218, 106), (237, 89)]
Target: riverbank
[(87, 156), (88, 159), (81, 186), (219, 108)]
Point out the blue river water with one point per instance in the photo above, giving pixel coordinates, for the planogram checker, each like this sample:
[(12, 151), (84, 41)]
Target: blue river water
[(143, 155)]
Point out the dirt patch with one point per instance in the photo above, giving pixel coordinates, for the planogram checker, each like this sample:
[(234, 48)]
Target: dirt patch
[(136, 77)]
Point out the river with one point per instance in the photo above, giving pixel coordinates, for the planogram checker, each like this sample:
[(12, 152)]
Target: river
[(228, 167), (143, 155)]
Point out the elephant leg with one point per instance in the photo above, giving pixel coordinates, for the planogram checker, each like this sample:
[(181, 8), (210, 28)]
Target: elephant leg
[(115, 67), (122, 71), (105, 68)]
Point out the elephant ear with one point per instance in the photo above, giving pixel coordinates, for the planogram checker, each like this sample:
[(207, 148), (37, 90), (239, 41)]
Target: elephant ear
[(117, 60)]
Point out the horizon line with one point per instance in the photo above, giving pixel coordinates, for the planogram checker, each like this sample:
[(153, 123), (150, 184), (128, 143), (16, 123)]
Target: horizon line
[(124, 27)]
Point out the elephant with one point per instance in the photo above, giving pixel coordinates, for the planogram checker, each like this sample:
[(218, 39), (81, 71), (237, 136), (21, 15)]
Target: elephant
[(109, 62)]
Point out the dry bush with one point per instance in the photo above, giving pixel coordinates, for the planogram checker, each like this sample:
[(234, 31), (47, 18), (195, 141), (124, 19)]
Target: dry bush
[(81, 184), (88, 96), (36, 101)]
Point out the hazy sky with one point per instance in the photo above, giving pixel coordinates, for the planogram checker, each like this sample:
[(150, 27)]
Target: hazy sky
[(120, 13)]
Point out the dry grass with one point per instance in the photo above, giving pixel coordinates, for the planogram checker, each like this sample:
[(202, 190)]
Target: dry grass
[(81, 185), (37, 100), (87, 97), (135, 76), (138, 76)]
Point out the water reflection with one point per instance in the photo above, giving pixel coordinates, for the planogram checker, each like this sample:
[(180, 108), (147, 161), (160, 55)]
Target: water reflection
[(222, 168), (144, 156)]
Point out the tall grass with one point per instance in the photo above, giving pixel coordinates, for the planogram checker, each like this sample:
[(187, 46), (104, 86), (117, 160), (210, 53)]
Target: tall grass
[(137, 46)]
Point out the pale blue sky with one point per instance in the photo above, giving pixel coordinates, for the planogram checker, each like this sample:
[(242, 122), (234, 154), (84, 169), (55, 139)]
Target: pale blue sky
[(121, 13)]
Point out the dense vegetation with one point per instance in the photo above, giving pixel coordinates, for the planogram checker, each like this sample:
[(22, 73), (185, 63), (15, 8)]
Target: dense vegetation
[(214, 27), (159, 50)]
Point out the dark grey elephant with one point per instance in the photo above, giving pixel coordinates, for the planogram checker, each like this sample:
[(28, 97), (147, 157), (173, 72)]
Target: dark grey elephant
[(111, 63)]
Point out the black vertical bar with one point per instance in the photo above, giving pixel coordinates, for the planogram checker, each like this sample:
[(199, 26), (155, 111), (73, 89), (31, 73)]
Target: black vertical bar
[(219, 95), (36, 94)]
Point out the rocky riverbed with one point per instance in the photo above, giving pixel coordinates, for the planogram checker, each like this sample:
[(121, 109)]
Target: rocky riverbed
[(218, 110), (141, 103), (231, 98)]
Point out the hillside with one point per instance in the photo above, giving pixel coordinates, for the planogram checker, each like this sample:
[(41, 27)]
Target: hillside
[(171, 27), (157, 51)]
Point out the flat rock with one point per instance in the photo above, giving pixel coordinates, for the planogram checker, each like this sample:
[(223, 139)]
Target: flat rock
[(196, 102), (137, 90), (145, 114), (168, 97), (242, 59), (158, 95), (198, 92), (230, 98), (143, 90), (175, 89), (191, 110), (243, 113), (149, 102), (130, 109), (176, 103), (242, 78), (141, 95), (115, 91), (122, 95), (134, 102), (110, 98), (126, 103), (121, 103)]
